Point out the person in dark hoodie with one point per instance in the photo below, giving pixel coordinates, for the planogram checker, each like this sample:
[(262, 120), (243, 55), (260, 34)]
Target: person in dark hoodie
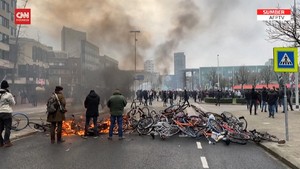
[(6, 102), (91, 104)]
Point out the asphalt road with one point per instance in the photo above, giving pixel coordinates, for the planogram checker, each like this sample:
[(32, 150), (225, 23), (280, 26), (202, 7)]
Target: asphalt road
[(135, 152)]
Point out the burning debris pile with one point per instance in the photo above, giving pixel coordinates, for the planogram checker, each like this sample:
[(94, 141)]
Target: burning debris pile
[(73, 127)]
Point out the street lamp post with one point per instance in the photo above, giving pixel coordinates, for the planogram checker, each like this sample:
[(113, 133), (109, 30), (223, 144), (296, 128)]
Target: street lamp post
[(135, 39)]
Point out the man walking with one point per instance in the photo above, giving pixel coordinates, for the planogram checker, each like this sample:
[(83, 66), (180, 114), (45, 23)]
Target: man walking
[(91, 103), (186, 97), (116, 104), (6, 101)]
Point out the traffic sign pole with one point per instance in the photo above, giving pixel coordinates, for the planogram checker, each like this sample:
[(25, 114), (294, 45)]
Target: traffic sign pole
[(286, 61), (286, 113), (297, 89)]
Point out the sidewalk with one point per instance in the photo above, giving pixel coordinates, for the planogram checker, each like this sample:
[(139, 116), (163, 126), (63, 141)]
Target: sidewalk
[(289, 152)]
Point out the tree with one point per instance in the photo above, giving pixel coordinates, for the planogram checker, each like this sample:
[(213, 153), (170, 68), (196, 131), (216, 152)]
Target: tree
[(242, 76), (224, 82), (212, 76), (285, 31), (267, 75), (254, 78)]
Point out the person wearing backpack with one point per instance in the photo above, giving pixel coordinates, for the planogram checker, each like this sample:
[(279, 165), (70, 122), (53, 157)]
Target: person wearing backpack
[(6, 102), (57, 117), (91, 103)]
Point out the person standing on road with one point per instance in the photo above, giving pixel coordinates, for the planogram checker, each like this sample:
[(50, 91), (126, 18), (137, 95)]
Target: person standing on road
[(254, 99), (58, 117), (6, 102), (91, 103), (289, 95), (186, 97), (116, 104), (218, 97), (264, 95), (248, 98), (272, 99)]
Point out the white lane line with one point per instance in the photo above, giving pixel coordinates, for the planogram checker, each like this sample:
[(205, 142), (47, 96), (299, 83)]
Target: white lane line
[(199, 145), (204, 162)]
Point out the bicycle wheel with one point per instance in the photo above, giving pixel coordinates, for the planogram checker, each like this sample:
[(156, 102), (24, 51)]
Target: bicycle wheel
[(37, 126), (146, 111), (237, 141), (242, 124), (238, 138), (145, 123), (169, 130), (173, 130), (215, 126), (189, 131), (268, 137), (144, 131), (19, 121)]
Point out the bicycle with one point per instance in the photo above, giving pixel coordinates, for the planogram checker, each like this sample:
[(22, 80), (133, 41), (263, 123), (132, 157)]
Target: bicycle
[(43, 126), (259, 136), (19, 121), (164, 130)]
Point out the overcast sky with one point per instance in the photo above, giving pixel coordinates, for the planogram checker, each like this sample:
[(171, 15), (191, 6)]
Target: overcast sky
[(228, 28)]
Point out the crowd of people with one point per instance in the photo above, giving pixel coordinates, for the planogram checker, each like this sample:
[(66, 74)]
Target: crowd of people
[(270, 98), (168, 97)]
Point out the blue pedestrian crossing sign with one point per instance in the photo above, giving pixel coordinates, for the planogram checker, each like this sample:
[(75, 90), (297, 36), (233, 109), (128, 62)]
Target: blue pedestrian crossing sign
[(285, 59)]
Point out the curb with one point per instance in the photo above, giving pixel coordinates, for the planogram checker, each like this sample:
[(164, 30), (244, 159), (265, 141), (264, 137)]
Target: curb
[(23, 135), (276, 155)]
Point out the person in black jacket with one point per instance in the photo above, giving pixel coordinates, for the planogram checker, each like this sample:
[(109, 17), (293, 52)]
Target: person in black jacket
[(91, 104), (289, 95), (272, 99), (248, 98), (186, 97), (254, 100), (264, 95)]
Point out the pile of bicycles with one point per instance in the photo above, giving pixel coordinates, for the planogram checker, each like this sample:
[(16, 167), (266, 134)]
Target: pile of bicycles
[(236, 128), (214, 127), (174, 120)]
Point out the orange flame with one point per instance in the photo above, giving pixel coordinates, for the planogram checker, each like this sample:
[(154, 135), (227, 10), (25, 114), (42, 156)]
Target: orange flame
[(70, 127)]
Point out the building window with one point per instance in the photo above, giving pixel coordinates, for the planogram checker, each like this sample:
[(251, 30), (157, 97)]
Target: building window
[(7, 7), (4, 38), (12, 16), (3, 5), (4, 21)]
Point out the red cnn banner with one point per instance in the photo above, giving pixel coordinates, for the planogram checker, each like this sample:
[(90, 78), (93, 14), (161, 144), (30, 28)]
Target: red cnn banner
[(22, 16)]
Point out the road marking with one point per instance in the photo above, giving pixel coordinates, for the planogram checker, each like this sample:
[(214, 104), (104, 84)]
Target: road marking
[(204, 162), (199, 145)]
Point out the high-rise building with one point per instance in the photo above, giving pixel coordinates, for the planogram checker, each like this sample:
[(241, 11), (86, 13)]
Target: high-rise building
[(149, 66), (71, 41), (7, 30), (179, 67)]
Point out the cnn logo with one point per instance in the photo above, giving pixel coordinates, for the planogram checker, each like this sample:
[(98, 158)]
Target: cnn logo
[(22, 16)]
